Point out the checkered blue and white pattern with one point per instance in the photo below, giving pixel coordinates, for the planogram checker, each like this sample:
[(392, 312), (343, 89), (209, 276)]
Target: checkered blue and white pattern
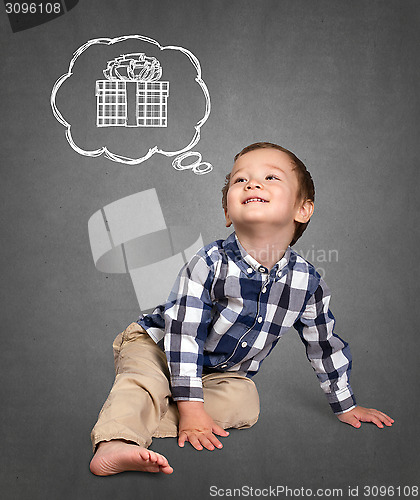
[(226, 312)]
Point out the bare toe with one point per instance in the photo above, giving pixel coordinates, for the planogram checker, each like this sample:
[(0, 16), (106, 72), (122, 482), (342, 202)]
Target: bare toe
[(116, 456), (166, 469)]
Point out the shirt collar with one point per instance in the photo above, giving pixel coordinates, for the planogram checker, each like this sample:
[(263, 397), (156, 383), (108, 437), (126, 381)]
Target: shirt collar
[(236, 252)]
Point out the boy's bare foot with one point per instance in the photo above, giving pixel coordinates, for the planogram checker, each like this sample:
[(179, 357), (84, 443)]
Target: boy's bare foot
[(116, 456)]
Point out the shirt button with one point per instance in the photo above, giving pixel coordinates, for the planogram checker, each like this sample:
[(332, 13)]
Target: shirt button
[(264, 290), (259, 319), (244, 344), (223, 366), (261, 269), (249, 270)]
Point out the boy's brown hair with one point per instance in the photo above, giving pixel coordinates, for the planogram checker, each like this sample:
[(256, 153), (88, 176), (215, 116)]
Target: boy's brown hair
[(306, 184)]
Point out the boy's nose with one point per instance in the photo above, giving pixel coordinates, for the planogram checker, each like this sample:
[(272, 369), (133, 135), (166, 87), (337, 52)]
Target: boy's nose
[(253, 184)]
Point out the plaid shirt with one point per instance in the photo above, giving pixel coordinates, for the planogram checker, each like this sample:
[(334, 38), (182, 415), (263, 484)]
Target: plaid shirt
[(226, 312)]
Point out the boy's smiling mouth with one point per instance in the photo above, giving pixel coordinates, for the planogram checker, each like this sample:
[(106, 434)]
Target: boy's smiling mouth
[(248, 200)]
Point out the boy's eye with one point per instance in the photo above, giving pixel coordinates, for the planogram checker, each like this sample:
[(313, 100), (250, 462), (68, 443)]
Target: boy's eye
[(271, 176), (239, 179)]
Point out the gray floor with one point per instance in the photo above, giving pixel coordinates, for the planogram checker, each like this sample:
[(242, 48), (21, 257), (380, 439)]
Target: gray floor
[(297, 442)]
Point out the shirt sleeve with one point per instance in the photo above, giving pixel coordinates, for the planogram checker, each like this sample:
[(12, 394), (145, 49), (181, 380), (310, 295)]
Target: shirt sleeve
[(328, 354), (187, 318)]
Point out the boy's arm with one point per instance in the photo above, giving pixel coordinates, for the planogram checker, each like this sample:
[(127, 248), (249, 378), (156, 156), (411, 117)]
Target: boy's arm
[(330, 357), (187, 318), (328, 354)]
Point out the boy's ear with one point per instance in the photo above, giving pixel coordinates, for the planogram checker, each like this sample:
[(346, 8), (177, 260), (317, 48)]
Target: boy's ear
[(228, 221), (305, 211)]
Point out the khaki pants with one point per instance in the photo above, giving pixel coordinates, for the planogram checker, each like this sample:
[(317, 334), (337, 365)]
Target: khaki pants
[(140, 405)]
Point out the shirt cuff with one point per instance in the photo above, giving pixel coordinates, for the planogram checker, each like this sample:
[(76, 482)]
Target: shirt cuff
[(341, 401), (187, 389)]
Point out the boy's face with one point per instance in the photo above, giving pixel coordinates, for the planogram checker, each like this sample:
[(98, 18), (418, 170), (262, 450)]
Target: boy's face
[(263, 189)]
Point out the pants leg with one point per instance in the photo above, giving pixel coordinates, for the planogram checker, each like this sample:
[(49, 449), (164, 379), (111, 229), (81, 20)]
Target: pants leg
[(140, 395), (231, 399), (140, 406)]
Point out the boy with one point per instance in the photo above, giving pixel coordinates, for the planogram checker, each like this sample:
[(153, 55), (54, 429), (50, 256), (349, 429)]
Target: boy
[(229, 307)]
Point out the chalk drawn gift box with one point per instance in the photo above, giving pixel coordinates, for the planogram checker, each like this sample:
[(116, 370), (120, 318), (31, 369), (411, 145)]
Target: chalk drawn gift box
[(131, 95)]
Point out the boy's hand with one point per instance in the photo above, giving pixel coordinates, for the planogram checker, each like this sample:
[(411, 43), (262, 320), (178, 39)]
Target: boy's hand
[(197, 427), (359, 414)]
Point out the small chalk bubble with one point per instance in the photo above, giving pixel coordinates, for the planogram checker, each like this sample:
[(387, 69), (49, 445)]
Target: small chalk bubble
[(198, 167)]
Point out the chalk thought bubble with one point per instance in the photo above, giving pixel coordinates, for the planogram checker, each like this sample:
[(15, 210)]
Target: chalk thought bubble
[(76, 105)]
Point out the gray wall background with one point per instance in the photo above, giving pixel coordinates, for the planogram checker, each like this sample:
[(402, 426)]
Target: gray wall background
[(334, 81)]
